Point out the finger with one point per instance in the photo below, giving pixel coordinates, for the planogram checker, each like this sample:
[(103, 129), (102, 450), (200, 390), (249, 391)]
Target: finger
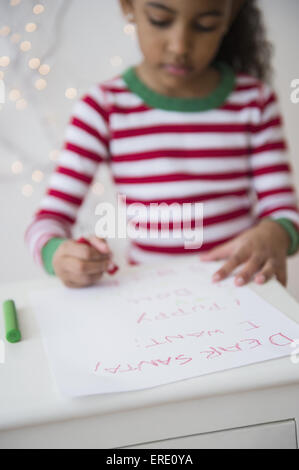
[(266, 272), (230, 265), (94, 278), (102, 245), (80, 266), (250, 268), (282, 276), (99, 243), (77, 285), (71, 285), (83, 280), (85, 252), (218, 253), (270, 269)]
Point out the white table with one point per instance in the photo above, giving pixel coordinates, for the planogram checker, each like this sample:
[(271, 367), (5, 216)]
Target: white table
[(253, 406)]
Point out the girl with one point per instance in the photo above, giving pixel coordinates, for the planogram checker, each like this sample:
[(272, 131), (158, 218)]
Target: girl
[(195, 122)]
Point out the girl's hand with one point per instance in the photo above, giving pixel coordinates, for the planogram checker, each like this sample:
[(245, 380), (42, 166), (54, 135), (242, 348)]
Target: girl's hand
[(79, 265), (262, 248)]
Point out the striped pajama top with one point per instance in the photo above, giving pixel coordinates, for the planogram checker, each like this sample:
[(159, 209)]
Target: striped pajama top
[(226, 151)]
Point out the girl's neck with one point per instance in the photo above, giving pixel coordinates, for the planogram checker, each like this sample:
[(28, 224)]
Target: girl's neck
[(201, 87)]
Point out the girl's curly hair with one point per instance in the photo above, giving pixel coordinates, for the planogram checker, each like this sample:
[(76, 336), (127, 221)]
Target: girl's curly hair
[(245, 47)]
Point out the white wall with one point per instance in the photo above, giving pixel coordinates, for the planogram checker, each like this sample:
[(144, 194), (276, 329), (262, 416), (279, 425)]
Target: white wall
[(77, 39)]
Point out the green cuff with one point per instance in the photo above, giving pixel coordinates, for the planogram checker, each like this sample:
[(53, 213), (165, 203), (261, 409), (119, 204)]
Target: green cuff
[(289, 226), (48, 252)]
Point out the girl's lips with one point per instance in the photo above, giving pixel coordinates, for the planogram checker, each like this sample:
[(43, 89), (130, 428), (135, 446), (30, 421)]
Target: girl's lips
[(177, 70)]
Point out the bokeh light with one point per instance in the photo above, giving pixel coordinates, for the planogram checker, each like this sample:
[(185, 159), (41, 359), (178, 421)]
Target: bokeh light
[(38, 9), (40, 84), (34, 63), (71, 93), (25, 46)]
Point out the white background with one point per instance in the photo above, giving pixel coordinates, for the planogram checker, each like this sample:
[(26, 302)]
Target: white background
[(78, 39)]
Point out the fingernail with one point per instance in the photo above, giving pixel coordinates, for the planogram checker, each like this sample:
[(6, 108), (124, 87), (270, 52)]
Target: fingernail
[(110, 265), (240, 281), (216, 277), (260, 279), (103, 247)]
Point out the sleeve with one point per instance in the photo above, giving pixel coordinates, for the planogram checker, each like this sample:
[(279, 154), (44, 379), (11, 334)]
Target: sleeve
[(85, 146), (270, 169)]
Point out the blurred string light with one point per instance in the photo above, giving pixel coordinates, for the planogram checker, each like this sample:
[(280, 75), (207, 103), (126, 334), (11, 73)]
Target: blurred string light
[(130, 30), (21, 104), (54, 155), (14, 95), (98, 188), (25, 46), (40, 65), (31, 27), (38, 9), (71, 93), (4, 31), (37, 176), (27, 190), (44, 69), (17, 167), (15, 38), (34, 63), (40, 84), (4, 61)]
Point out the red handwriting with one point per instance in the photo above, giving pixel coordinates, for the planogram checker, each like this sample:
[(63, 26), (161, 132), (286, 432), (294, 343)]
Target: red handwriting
[(144, 317), (280, 340), (277, 339), (212, 352), (255, 342), (249, 323), (182, 292), (214, 306), (180, 360), (172, 338)]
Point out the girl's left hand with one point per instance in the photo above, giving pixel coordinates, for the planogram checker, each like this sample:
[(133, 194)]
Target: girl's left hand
[(262, 248)]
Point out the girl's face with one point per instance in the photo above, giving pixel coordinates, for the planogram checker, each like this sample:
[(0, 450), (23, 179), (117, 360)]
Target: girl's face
[(179, 38)]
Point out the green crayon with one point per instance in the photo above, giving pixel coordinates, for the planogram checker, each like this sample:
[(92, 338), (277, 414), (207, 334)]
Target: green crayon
[(13, 334)]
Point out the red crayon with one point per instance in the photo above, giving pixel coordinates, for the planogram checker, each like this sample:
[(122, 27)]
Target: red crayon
[(111, 271)]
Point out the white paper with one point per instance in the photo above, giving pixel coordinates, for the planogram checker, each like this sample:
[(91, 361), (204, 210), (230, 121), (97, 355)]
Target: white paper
[(155, 325)]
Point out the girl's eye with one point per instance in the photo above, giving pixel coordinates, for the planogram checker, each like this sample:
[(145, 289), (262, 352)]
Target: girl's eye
[(164, 24), (161, 24), (199, 27)]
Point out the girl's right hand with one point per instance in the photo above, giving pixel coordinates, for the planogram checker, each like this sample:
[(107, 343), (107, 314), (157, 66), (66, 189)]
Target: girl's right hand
[(79, 265)]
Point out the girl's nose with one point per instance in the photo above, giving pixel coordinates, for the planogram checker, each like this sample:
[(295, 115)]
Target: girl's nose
[(179, 42)]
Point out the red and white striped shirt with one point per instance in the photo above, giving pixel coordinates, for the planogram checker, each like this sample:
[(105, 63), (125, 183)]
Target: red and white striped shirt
[(232, 158)]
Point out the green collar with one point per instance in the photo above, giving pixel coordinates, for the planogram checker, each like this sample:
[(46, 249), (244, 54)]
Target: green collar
[(157, 100)]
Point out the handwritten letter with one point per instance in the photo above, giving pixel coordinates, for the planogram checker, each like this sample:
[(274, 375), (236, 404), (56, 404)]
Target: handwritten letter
[(155, 325)]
